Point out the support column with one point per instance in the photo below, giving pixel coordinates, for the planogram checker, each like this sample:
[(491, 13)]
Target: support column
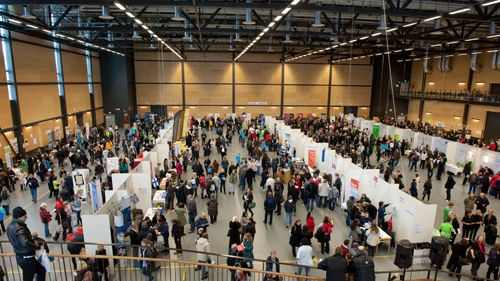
[(233, 98), (60, 87), (469, 81), (465, 116), (90, 79), (183, 87), (12, 86), (422, 92), (329, 90), (282, 100)]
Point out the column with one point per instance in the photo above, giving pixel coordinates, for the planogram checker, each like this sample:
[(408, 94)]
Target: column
[(60, 86), (329, 90), (90, 78), (233, 98), (183, 86), (422, 93), (282, 100)]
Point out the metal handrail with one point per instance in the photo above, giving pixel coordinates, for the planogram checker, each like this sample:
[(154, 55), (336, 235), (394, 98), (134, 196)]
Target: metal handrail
[(484, 97)]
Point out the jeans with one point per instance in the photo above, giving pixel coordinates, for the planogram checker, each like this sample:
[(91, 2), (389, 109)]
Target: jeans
[(79, 217), (46, 228), (310, 203), (6, 207), (306, 269), (231, 187), (192, 223), (203, 268), (30, 267), (331, 204), (472, 188), (270, 214), (413, 165), (288, 219), (474, 268), (448, 194), (149, 275), (325, 246), (322, 202), (33, 194), (492, 269)]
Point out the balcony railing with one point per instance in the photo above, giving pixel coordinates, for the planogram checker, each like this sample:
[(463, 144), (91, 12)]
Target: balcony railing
[(475, 97)]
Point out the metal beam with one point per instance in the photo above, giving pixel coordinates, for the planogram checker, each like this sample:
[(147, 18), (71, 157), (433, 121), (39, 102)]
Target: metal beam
[(58, 21), (207, 22)]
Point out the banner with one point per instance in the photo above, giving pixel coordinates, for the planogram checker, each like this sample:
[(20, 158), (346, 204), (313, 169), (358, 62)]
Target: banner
[(376, 129), (354, 187), (311, 155)]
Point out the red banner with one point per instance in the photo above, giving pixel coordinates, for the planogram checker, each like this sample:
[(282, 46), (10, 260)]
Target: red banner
[(311, 156)]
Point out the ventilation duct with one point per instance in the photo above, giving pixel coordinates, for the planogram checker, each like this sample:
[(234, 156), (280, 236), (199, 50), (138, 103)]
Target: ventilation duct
[(474, 65), (248, 15), (335, 30), (379, 43), (110, 40), (317, 17), (238, 35), (494, 60), (152, 46), (27, 13), (135, 34), (270, 48), (178, 14), (105, 13), (383, 24), (493, 28), (231, 43), (426, 66), (461, 47), (446, 63), (288, 28), (437, 27), (187, 35), (191, 46), (79, 24)]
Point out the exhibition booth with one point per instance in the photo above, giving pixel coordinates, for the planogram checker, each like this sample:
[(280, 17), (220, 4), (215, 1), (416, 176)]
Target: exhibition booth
[(403, 208)]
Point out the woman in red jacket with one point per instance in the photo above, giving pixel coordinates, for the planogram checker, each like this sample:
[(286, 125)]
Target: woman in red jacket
[(326, 228), (45, 217), (310, 224)]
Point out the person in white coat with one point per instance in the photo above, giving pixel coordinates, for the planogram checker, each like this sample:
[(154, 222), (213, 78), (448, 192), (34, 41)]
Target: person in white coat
[(203, 248), (304, 257), (373, 239), (323, 191)]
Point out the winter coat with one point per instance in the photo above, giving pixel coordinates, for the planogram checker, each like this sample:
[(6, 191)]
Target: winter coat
[(213, 209)]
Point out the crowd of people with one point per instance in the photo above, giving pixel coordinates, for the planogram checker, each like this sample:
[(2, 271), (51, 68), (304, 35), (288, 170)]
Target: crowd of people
[(267, 165)]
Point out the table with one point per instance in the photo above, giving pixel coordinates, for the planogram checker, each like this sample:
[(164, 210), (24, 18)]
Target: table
[(151, 212), (163, 184), (453, 168), (384, 239), (159, 198)]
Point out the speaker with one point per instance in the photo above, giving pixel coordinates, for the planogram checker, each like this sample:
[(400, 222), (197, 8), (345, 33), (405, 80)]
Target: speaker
[(439, 250), (404, 254)]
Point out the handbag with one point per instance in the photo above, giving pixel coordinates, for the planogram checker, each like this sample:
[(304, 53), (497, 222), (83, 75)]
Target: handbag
[(251, 205)]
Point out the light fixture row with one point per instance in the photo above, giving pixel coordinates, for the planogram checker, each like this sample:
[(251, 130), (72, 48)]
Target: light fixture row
[(61, 36), (146, 28), (455, 12), (269, 27)]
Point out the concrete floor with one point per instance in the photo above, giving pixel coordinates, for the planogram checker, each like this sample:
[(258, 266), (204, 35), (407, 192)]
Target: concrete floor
[(268, 237)]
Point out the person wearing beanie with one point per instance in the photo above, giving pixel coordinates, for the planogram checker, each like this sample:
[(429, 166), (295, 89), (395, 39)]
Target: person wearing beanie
[(24, 246)]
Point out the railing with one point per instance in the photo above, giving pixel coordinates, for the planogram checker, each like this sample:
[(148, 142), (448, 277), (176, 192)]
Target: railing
[(478, 97)]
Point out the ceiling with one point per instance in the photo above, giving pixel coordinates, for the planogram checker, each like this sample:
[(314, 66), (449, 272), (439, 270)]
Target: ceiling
[(311, 28)]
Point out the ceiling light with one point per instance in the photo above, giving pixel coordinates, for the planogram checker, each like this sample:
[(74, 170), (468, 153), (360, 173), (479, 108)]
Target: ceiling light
[(493, 36), (352, 41), (286, 10), (32, 26), (289, 107), (27, 13), (364, 38), (490, 3), (178, 14), (449, 56), (461, 83), (376, 34), (471, 39), (410, 24), (271, 24), (409, 49), (130, 15), (14, 21), (265, 29), (432, 18), (436, 45), (119, 6), (278, 18), (144, 27), (476, 53), (105, 13), (452, 42), (294, 2), (461, 54), (492, 51), (343, 44), (138, 21), (47, 31), (391, 30), (431, 83), (398, 51), (459, 11), (480, 84)]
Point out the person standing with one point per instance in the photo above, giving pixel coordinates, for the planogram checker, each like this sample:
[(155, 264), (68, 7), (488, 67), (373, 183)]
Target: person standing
[(147, 267), (478, 255), (272, 265), (77, 207), (248, 251), (326, 228), (192, 212), (427, 189), (304, 257), (296, 235), (372, 239), (33, 185), (203, 248), (213, 208), (177, 233), (335, 266), (450, 183), (363, 266), (458, 253), (493, 262), (269, 206), (234, 231), (248, 203), (447, 210), (45, 217), (289, 207), (24, 246), (323, 191)]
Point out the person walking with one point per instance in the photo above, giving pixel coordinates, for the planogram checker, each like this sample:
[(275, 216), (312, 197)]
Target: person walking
[(248, 251), (458, 255), (5, 200), (248, 203), (213, 208), (192, 212), (493, 262), (427, 190), (177, 233), (147, 266), (24, 246), (33, 185), (296, 236), (45, 217), (477, 255), (450, 183), (269, 206), (234, 231), (326, 229), (363, 266), (335, 266), (289, 207), (272, 265), (203, 248)]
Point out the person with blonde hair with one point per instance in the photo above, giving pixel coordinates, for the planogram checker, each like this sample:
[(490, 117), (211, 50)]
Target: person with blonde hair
[(372, 239), (248, 251)]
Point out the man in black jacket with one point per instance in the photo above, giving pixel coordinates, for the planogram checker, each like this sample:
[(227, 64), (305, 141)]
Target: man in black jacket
[(24, 246), (335, 266), (362, 266)]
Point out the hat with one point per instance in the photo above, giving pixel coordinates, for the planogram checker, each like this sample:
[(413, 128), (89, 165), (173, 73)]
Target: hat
[(18, 212)]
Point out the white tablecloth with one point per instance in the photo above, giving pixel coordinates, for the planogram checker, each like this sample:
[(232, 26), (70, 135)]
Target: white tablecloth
[(453, 168)]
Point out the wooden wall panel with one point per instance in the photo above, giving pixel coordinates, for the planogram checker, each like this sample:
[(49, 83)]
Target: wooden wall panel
[(202, 111), (413, 109), (305, 110), (208, 94), (481, 80), (5, 117), (96, 70), (352, 75), (36, 136), (336, 110), (99, 116), (350, 95), (256, 110), (28, 38), (34, 63), (417, 74), (151, 72), (450, 114), (154, 55), (197, 56), (363, 111), (306, 73), (74, 67), (47, 102), (260, 58), (77, 97), (478, 113), (158, 94), (97, 95), (258, 93), (143, 109), (258, 73), (301, 95), (449, 80), (208, 72)]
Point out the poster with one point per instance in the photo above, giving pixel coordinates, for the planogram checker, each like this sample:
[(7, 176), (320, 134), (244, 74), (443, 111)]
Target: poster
[(8, 158), (354, 188), (311, 155), (376, 129), (95, 195)]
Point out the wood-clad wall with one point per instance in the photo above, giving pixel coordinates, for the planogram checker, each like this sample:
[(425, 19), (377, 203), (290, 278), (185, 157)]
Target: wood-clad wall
[(208, 82)]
